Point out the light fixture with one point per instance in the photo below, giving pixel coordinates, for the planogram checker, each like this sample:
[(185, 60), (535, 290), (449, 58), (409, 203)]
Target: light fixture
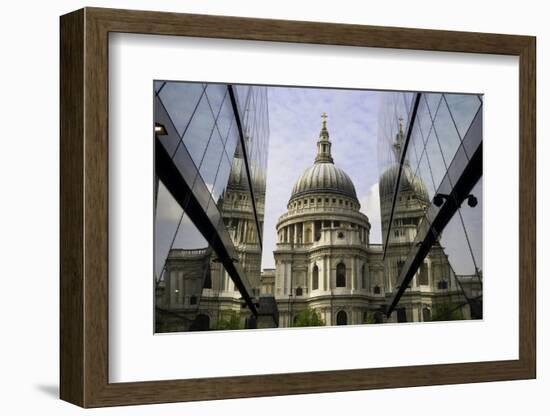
[(472, 201), (439, 199), (160, 130)]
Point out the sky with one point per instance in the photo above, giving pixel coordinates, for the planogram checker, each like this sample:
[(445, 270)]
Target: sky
[(295, 123)]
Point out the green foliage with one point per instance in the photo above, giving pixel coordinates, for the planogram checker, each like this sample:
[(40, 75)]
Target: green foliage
[(228, 320), (368, 318), (308, 317), (447, 312)]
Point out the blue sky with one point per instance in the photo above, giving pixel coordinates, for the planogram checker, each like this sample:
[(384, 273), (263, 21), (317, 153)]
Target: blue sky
[(295, 122)]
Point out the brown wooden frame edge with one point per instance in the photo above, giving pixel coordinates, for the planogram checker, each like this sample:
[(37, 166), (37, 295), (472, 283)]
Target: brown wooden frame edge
[(84, 207)]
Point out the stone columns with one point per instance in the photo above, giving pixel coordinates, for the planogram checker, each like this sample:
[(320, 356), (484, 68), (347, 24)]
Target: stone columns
[(430, 274), (326, 273), (353, 272), (329, 277)]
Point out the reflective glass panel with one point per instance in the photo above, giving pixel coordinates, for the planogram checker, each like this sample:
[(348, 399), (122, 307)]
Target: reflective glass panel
[(180, 100), (211, 160), (199, 131), (463, 109), (216, 94), (446, 133)]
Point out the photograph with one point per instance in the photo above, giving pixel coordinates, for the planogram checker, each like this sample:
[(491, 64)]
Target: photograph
[(285, 206)]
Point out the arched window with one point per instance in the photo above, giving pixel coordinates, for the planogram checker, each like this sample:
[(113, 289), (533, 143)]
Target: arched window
[(341, 318), (341, 275), (401, 315), (208, 279), (201, 323), (426, 314), (308, 235), (317, 229), (423, 274), (315, 278), (364, 277)]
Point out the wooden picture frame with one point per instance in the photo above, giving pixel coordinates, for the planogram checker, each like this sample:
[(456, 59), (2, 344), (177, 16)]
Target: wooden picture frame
[(84, 207)]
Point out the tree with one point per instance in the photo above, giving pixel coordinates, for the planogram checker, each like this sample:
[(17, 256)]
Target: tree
[(447, 312), (228, 320), (369, 318), (308, 317)]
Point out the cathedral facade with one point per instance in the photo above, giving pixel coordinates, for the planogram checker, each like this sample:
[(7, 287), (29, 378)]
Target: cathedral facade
[(324, 260)]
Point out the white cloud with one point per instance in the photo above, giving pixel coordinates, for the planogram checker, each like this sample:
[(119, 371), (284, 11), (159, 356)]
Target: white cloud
[(168, 209), (370, 206)]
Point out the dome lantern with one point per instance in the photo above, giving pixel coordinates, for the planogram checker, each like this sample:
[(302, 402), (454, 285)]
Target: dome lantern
[(323, 144)]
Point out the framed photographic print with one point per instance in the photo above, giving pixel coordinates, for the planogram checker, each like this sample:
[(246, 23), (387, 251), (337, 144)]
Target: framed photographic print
[(256, 207)]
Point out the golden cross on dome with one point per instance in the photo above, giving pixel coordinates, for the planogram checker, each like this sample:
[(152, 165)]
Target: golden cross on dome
[(324, 117)]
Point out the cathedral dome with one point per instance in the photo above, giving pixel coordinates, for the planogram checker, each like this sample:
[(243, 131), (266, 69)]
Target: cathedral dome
[(324, 176), (238, 178), (409, 183)]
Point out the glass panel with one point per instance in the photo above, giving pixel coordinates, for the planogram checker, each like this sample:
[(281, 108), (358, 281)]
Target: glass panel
[(188, 236), (242, 94), (184, 163), (232, 140), (472, 217), (463, 109), (424, 119), (211, 160), (157, 85), (201, 192), (416, 146), (167, 217), (446, 133), (474, 136), (221, 180), (424, 174), (198, 133), (225, 118), (412, 157), (180, 100), (216, 94), (433, 101), (454, 243), (171, 139), (407, 99), (435, 159)]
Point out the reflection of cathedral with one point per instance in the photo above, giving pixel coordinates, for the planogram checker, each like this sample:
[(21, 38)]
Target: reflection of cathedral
[(324, 261), (205, 296)]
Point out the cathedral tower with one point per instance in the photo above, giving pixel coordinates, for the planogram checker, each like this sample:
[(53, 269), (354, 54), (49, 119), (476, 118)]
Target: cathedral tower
[(321, 257)]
